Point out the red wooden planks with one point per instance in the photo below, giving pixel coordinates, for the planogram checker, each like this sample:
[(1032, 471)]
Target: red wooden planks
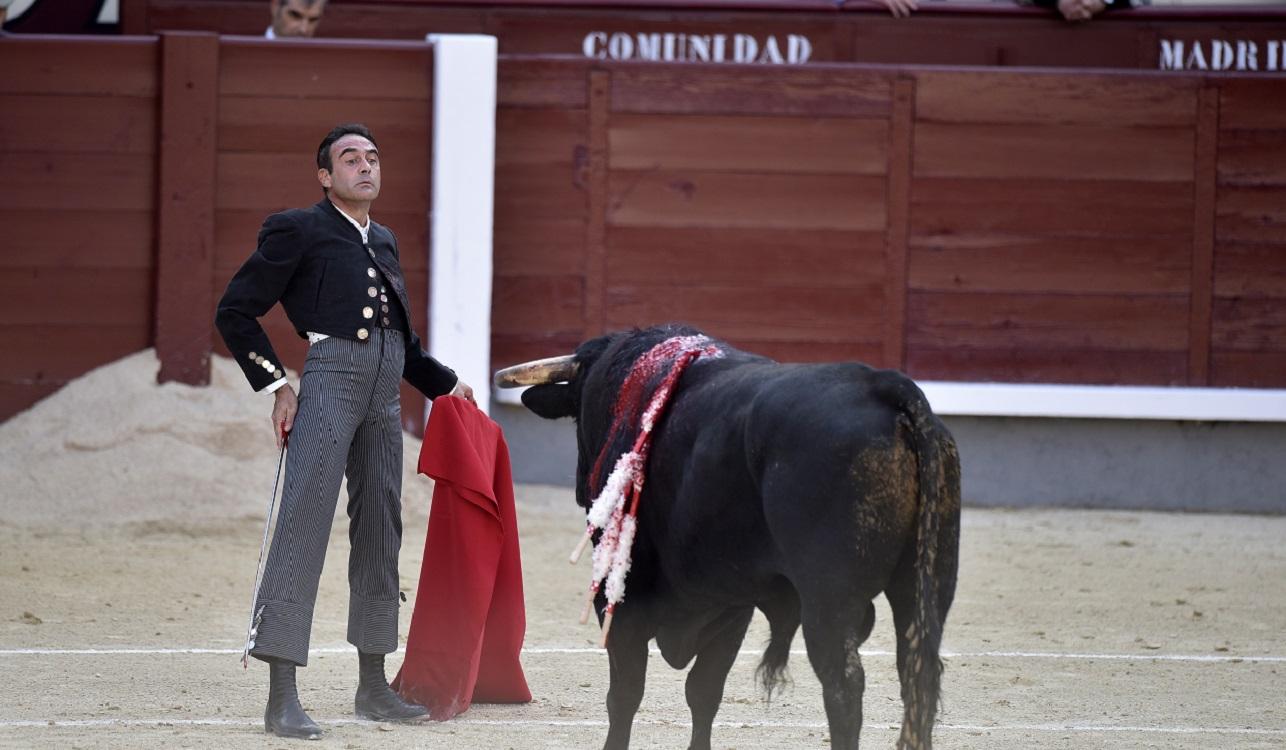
[(535, 246), (81, 65), (1251, 213), (1246, 269), (185, 207), (1055, 364), (56, 353), (1252, 157), (724, 90), (66, 237), (782, 313), (1037, 321), (1097, 265), (1249, 324), (353, 70), (900, 171), (1088, 208), (745, 257), (542, 82), (540, 305), (1047, 98), (749, 144), (1054, 152), (1203, 236), (81, 181), (693, 198), (599, 86), (78, 123), (75, 296), (1248, 369), (1248, 330), (1251, 104), (540, 136)]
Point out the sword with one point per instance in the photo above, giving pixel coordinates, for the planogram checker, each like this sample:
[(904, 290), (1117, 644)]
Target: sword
[(252, 628)]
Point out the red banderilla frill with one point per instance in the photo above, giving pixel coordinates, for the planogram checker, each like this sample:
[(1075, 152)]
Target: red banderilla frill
[(615, 510)]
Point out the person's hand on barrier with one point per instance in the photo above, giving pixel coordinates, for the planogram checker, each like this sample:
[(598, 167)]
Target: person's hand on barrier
[(283, 412), (463, 391), (899, 8), (1080, 10)]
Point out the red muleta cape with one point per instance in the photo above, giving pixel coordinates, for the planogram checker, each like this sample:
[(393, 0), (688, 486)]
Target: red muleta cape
[(468, 623)]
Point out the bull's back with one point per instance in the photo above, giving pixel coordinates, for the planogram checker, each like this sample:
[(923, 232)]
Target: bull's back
[(836, 470), (761, 468)]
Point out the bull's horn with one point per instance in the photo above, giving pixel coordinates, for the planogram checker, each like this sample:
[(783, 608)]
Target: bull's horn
[(540, 372)]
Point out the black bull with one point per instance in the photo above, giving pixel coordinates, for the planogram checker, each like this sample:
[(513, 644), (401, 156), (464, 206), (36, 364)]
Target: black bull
[(802, 490)]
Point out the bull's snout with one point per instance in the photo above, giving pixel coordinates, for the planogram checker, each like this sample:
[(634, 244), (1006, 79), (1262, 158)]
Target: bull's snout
[(539, 372)]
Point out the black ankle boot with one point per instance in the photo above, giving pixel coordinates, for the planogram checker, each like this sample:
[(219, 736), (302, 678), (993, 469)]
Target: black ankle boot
[(375, 699), (284, 716)]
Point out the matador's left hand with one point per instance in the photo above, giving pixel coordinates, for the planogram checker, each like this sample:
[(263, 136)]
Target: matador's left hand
[(463, 390)]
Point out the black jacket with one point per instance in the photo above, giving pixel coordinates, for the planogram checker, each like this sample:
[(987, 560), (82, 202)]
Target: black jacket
[(312, 261)]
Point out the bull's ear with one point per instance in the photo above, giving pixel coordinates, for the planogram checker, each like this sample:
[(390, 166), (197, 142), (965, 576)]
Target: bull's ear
[(552, 401)]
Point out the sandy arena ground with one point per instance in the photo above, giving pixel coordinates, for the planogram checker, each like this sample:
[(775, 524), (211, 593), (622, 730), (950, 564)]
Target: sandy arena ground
[(1070, 630)]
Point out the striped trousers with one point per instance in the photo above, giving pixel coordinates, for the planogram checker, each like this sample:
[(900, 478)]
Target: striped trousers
[(348, 424)]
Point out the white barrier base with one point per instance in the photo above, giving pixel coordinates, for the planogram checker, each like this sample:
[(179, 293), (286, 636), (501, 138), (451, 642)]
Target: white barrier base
[(1086, 401), (460, 219)]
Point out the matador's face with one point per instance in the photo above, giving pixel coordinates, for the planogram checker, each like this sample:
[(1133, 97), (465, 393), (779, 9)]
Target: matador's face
[(354, 176)]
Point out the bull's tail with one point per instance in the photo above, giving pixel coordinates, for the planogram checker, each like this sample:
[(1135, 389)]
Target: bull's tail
[(771, 673), (782, 612), (934, 562)]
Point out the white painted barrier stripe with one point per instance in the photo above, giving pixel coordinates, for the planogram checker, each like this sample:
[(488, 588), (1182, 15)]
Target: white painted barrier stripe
[(463, 146), (746, 653), (1106, 401), (599, 723), (1049, 400)]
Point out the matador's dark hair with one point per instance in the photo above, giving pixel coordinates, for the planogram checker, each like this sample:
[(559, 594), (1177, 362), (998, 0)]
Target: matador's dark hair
[(337, 132)]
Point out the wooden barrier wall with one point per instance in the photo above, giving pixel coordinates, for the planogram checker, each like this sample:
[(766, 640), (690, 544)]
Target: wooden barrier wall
[(151, 163), (78, 149), (1015, 226), (965, 224), (950, 32)]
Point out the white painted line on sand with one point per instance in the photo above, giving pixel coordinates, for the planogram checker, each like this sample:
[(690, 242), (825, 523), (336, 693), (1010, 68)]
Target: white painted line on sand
[(1216, 658), (599, 723), (126, 651), (745, 654)]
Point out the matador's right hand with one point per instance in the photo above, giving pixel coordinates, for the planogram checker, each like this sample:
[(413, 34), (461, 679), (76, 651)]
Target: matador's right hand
[(283, 413)]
